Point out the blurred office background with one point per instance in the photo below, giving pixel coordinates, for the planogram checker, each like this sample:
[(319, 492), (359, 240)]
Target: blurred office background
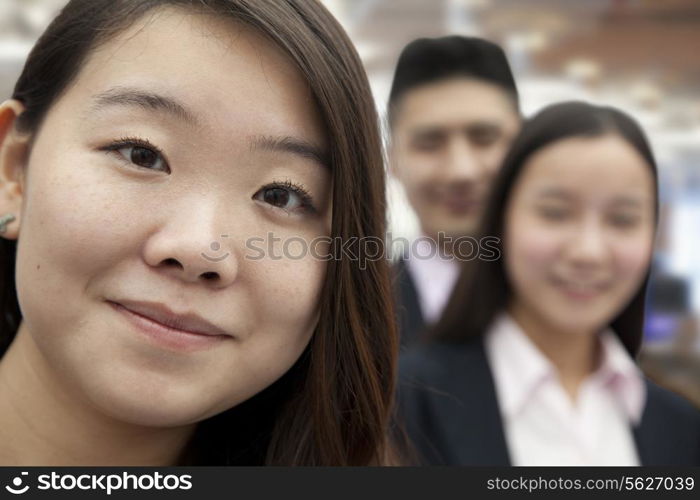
[(642, 56)]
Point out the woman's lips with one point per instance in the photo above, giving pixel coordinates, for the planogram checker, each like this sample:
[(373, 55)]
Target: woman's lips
[(165, 336), (579, 291)]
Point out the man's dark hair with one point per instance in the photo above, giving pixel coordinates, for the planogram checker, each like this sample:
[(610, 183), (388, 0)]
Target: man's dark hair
[(427, 60)]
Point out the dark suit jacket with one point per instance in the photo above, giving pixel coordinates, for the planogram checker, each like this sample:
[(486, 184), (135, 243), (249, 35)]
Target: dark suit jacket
[(448, 406), (409, 317)]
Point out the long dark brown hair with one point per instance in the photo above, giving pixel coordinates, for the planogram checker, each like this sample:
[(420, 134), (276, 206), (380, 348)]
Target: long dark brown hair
[(483, 289), (334, 404)]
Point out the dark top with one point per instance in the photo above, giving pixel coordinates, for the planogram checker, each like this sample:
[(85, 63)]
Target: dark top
[(449, 409), (409, 317)]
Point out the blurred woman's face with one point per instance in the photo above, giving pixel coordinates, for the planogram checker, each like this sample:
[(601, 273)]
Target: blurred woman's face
[(579, 232), (178, 142)]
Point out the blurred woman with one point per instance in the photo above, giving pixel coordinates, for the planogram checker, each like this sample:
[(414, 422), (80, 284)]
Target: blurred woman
[(533, 362)]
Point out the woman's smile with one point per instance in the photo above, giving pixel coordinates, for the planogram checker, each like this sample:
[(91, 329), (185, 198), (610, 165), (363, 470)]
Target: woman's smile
[(169, 331)]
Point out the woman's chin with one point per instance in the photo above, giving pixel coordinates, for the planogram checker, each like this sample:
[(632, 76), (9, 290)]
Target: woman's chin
[(146, 409), (578, 322)]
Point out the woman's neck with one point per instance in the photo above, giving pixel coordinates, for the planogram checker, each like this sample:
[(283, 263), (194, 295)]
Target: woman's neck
[(573, 354), (43, 422)]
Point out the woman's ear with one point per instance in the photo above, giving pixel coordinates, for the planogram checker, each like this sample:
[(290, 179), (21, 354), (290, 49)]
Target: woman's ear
[(14, 153)]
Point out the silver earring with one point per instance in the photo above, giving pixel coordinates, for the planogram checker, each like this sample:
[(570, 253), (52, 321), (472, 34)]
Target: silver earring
[(4, 221)]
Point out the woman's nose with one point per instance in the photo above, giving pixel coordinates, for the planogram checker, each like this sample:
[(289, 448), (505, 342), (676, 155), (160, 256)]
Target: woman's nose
[(194, 248), (589, 245)]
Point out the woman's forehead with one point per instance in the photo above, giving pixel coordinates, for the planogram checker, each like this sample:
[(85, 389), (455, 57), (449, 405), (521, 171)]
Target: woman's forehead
[(219, 72), (581, 164)]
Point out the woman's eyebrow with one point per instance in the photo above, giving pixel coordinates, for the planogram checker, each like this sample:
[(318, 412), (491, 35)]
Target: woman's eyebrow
[(135, 97), (629, 201), (553, 192), (293, 145), (144, 99)]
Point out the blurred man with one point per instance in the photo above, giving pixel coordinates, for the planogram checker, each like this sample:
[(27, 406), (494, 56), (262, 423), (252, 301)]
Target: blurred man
[(453, 112)]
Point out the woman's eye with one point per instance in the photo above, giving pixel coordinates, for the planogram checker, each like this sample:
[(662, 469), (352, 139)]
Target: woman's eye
[(552, 213), (143, 157), (288, 197), (138, 152), (279, 197), (624, 221)]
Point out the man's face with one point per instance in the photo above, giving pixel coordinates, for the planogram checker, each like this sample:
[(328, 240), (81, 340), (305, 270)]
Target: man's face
[(448, 140)]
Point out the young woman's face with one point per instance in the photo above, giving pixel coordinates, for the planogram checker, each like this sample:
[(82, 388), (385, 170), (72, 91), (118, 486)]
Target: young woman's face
[(579, 231), (177, 143)]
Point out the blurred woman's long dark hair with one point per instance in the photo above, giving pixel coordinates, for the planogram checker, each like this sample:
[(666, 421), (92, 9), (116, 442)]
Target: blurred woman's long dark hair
[(482, 290), (333, 406)]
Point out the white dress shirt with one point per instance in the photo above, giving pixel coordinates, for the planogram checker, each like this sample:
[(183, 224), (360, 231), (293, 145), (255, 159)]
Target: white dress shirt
[(434, 276), (542, 425)]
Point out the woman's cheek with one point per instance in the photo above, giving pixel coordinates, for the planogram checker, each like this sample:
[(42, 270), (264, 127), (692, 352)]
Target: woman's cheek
[(78, 232), (632, 258), (530, 251), (289, 289)]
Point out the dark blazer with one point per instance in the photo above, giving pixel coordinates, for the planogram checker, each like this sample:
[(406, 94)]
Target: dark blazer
[(409, 317), (448, 406)]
